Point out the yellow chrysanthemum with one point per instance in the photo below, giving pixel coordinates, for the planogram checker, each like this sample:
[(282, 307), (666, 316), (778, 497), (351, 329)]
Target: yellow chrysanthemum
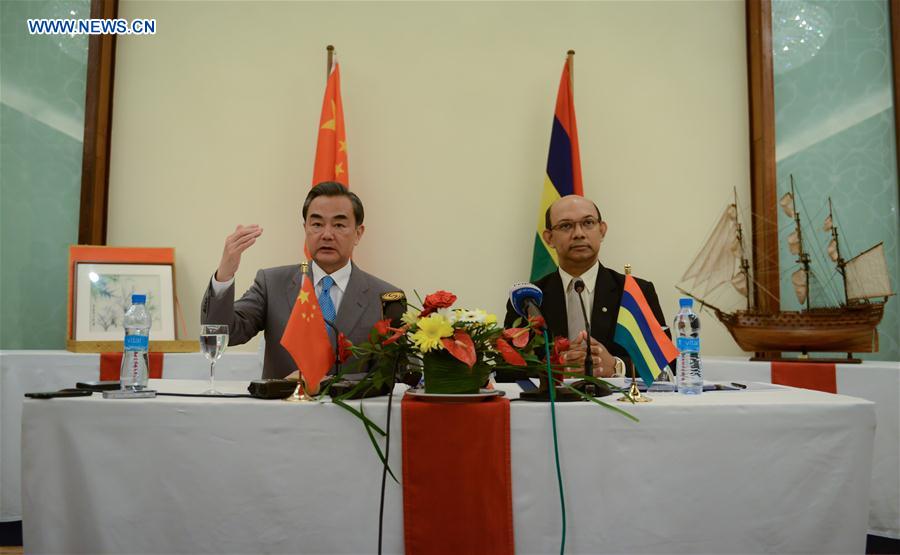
[(430, 332), (410, 317), (490, 319)]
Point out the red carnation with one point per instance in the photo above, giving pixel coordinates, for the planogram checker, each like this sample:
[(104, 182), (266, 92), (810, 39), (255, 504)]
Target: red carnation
[(438, 299), (560, 345)]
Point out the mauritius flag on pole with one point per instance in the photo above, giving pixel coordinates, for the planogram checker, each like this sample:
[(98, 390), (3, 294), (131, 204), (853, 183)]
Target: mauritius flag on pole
[(638, 331), (563, 169)]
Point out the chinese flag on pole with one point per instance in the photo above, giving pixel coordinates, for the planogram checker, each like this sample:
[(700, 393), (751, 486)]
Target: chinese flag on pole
[(306, 338), (331, 148)]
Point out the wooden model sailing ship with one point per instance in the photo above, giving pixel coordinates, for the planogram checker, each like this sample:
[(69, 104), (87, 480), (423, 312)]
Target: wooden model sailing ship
[(848, 327)]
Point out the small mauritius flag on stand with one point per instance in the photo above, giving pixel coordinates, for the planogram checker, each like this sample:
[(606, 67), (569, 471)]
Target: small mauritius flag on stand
[(639, 333)]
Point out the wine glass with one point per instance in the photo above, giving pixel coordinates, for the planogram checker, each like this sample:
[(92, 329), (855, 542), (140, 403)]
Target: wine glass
[(213, 340)]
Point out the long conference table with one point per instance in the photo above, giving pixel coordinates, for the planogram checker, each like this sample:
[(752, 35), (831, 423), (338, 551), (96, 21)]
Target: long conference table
[(768, 469)]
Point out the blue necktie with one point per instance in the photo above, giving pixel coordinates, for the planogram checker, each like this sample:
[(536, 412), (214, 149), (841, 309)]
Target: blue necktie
[(328, 311)]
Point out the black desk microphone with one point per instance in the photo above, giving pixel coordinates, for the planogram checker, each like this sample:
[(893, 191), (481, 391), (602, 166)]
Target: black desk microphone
[(589, 359)]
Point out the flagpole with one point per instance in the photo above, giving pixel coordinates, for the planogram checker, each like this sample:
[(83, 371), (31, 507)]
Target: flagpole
[(330, 49), (570, 61)]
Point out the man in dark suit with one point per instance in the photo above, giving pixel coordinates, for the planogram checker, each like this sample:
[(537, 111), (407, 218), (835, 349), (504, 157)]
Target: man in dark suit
[(349, 297), (575, 230)]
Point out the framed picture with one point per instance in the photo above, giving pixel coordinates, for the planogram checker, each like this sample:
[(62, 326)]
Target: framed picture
[(103, 294), (101, 282)]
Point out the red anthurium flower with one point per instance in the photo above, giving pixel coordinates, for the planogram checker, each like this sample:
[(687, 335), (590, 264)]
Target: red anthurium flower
[(538, 323), (382, 327), (518, 336), (344, 345), (509, 354), (461, 347)]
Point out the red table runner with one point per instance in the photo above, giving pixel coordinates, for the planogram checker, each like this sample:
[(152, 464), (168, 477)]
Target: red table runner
[(111, 363), (457, 483), (808, 375)]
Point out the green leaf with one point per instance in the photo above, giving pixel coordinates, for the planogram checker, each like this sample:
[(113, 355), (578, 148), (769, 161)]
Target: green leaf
[(609, 406), (358, 413), (369, 426)]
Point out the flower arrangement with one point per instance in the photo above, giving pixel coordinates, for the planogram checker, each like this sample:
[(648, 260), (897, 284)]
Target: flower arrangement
[(456, 348)]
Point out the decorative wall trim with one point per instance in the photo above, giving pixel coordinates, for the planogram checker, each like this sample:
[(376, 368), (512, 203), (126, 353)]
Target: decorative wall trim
[(98, 109)]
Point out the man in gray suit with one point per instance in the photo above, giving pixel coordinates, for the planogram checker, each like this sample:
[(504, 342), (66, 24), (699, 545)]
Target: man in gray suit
[(351, 298)]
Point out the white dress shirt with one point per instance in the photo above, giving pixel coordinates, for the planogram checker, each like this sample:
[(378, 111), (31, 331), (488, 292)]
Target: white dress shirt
[(573, 306), (341, 279)]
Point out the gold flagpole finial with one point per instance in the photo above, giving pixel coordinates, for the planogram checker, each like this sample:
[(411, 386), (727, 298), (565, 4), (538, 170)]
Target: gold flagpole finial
[(628, 269)]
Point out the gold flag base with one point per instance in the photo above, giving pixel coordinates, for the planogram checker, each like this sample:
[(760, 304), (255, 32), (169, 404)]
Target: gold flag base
[(298, 397), (634, 395)]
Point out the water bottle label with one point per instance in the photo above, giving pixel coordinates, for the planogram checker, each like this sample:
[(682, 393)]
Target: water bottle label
[(688, 344), (137, 342)]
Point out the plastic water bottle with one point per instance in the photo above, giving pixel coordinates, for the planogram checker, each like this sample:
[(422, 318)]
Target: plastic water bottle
[(687, 339), (135, 361)]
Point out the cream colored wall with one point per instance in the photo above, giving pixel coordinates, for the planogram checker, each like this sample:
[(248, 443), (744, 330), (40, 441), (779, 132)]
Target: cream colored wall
[(448, 109)]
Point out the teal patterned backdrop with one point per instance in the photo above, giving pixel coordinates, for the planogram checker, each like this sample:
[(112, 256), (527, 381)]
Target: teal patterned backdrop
[(42, 86), (834, 121)]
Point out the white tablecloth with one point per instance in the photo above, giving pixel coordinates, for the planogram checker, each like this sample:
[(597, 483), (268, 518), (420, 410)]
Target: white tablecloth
[(24, 371), (876, 381), (774, 470)]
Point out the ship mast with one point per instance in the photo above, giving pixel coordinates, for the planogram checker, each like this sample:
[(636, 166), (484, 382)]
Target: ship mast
[(745, 264), (803, 256), (839, 260)]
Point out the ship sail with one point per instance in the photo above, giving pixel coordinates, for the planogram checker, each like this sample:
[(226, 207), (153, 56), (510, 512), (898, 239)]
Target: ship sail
[(793, 241), (718, 260), (867, 275), (798, 280), (787, 204), (739, 282), (833, 250)]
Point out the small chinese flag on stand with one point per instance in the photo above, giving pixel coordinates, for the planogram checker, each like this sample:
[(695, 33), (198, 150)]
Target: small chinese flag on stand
[(306, 338)]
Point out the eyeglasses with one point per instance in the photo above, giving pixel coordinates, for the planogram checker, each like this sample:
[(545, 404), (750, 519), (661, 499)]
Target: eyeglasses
[(566, 226), (339, 227)]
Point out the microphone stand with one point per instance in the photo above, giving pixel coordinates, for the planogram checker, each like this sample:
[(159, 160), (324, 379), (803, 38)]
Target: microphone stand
[(545, 392), (588, 360), (585, 386)]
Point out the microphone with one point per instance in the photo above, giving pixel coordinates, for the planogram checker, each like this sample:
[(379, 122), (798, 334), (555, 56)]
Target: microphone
[(578, 285), (526, 299), (393, 307)]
